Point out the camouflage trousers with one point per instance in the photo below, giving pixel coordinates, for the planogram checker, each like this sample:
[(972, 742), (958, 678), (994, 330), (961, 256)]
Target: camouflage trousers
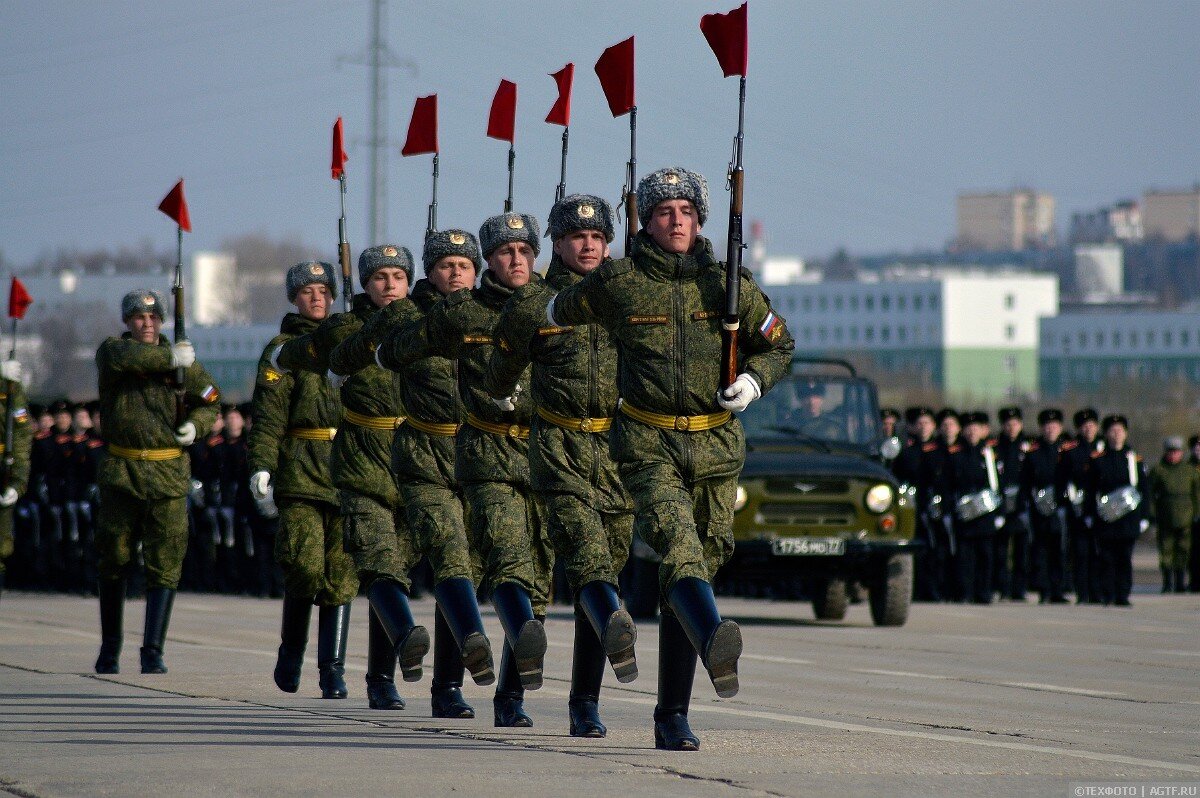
[(160, 525), (510, 538), (592, 544), (436, 516), (309, 548), (1174, 547), (378, 539), (6, 535)]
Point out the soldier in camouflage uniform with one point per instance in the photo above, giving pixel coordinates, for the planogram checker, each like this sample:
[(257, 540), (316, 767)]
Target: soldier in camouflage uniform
[(678, 448), (491, 455), (16, 462), (588, 514), (296, 417), (145, 480), (374, 530)]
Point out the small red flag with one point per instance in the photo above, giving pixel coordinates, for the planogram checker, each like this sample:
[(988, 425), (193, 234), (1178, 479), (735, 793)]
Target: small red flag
[(615, 70), (422, 130), (18, 300), (175, 206), (729, 39), (338, 166), (502, 121), (560, 114)]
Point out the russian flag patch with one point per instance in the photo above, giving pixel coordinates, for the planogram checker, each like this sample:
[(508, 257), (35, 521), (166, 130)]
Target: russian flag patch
[(21, 415), (210, 394), (770, 328)]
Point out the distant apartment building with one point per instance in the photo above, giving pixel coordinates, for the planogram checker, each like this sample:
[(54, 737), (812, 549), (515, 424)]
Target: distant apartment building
[(1115, 223), (1005, 220), (969, 332), (1172, 215)]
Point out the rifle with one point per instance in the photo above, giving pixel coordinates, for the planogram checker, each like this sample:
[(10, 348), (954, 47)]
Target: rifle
[(733, 259), (6, 468), (631, 210), (180, 333), (344, 252)]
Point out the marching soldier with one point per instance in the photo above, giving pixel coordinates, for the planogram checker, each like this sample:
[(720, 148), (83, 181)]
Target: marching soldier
[(678, 448), (1172, 504), (16, 466), (1082, 541), (1116, 509), (423, 458), (375, 532), (922, 464), (58, 460), (1043, 489), (1011, 446), (977, 508), (574, 390), (950, 426), (144, 482)]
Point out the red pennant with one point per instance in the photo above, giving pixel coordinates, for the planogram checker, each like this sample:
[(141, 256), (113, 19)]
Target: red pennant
[(422, 130), (18, 300), (175, 206), (338, 166), (560, 114), (728, 37), (502, 121), (615, 70)]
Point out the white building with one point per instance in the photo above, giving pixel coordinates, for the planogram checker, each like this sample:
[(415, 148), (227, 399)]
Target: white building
[(1099, 271)]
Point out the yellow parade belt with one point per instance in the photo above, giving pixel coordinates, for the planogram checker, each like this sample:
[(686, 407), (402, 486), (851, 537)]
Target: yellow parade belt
[(681, 423), (145, 454), (434, 427), (313, 433), (374, 422), (576, 424), (507, 430)]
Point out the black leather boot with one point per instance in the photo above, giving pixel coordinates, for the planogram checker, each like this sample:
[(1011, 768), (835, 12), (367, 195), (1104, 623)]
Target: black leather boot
[(459, 610), (381, 667), (158, 617), (718, 642), (509, 701), (587, 673), (411, 642), (676, 672), (333, 627), (524, 633), (1167, 586), (293, 636), (112, 618), (1180, 580), (614, 627), (446, 690)]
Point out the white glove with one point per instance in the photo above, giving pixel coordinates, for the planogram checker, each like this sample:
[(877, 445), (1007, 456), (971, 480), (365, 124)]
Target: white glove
[(182, 355), (260, 485), (739, 395), (10, 496), (336, 381), (1143, 525), (185, 435), (998, 521), (266, 506), (508, 403), (11, 370)]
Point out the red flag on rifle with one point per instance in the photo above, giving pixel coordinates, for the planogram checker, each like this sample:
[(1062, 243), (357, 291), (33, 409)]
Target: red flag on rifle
[(422, 130), (338, 166), (19, 300), (502, 121), (175, 206), (728, 37), (560, 113), (615, 70)]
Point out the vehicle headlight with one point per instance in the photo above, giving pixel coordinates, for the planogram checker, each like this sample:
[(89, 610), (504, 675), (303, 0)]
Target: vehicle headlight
[(739, 498), (879, 498)]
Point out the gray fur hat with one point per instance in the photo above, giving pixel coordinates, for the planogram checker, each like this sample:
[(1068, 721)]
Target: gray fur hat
[(442, 243), (308, 273), (580, 212), (386, 255), (671, 183), (507, 227), (143, 301)]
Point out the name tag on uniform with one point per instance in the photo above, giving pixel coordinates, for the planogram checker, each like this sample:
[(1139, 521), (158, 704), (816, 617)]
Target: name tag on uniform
[(701, 315), (554, 330), (477, 339), (648, 320)]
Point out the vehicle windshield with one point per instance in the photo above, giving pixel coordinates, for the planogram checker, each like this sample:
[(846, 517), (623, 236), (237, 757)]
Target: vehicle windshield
[(815, 409)]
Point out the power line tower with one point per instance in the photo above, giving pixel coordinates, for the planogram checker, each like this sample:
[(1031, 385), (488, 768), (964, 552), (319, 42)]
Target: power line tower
[(379, 57)]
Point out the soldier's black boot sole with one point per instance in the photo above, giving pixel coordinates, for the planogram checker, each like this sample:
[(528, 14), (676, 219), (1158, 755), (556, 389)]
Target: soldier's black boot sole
[(293, 636), (411, 642), (381, 667), (508, 705), (587, 674), (525, 634), (333, 629), (458, 610), (112, 619), (614, 626), (676, 673), (159, 601), (718, 642)]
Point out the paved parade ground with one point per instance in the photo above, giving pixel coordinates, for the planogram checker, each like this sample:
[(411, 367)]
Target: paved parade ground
[(1002, 700)]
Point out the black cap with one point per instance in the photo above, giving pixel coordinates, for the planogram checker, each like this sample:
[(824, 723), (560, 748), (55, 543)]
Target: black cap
[(60, 406), (1085, 415), (1005, 413), (947, 412), (975, 417), (1192, 441), (93, 406), (889, 412), (227, 406), (35, 409), (1115, 418), (811, 388), (247, 409), (1050, 414), (911, 414)]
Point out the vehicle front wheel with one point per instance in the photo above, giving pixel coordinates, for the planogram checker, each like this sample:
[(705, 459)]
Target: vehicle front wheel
[(830, 599), (891, 590)]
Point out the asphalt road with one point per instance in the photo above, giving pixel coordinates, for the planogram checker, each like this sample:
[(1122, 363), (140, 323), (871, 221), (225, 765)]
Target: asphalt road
[(1001, 700)]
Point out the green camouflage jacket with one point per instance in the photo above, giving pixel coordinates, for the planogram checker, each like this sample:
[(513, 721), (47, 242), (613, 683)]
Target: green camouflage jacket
[(13, 396), (1174, 493), (285, 400), (137, 406)]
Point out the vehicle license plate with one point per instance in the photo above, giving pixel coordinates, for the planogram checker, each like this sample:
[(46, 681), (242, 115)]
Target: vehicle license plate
[(802, 547)]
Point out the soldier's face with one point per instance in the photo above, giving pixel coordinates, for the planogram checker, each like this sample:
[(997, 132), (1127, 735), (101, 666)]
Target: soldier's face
[(1013, 427), (1052, 431), (452, 273), (512, 263), (144, 327), (45, 422), (1173, 456), (925, 427), (582, 250), (62, 421), (313, 301), (889, 426), (82, 420), (1088, 430), (387, 285), (1116, 436), (234, 423), (674, 225), (950, 428), (96, 422), (813, 404), (974, 433)]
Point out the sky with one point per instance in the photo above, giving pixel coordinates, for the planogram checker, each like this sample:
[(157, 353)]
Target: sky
[(863, 119)]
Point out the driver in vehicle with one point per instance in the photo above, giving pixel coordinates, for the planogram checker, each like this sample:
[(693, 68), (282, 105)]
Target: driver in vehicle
[(811, 417)]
